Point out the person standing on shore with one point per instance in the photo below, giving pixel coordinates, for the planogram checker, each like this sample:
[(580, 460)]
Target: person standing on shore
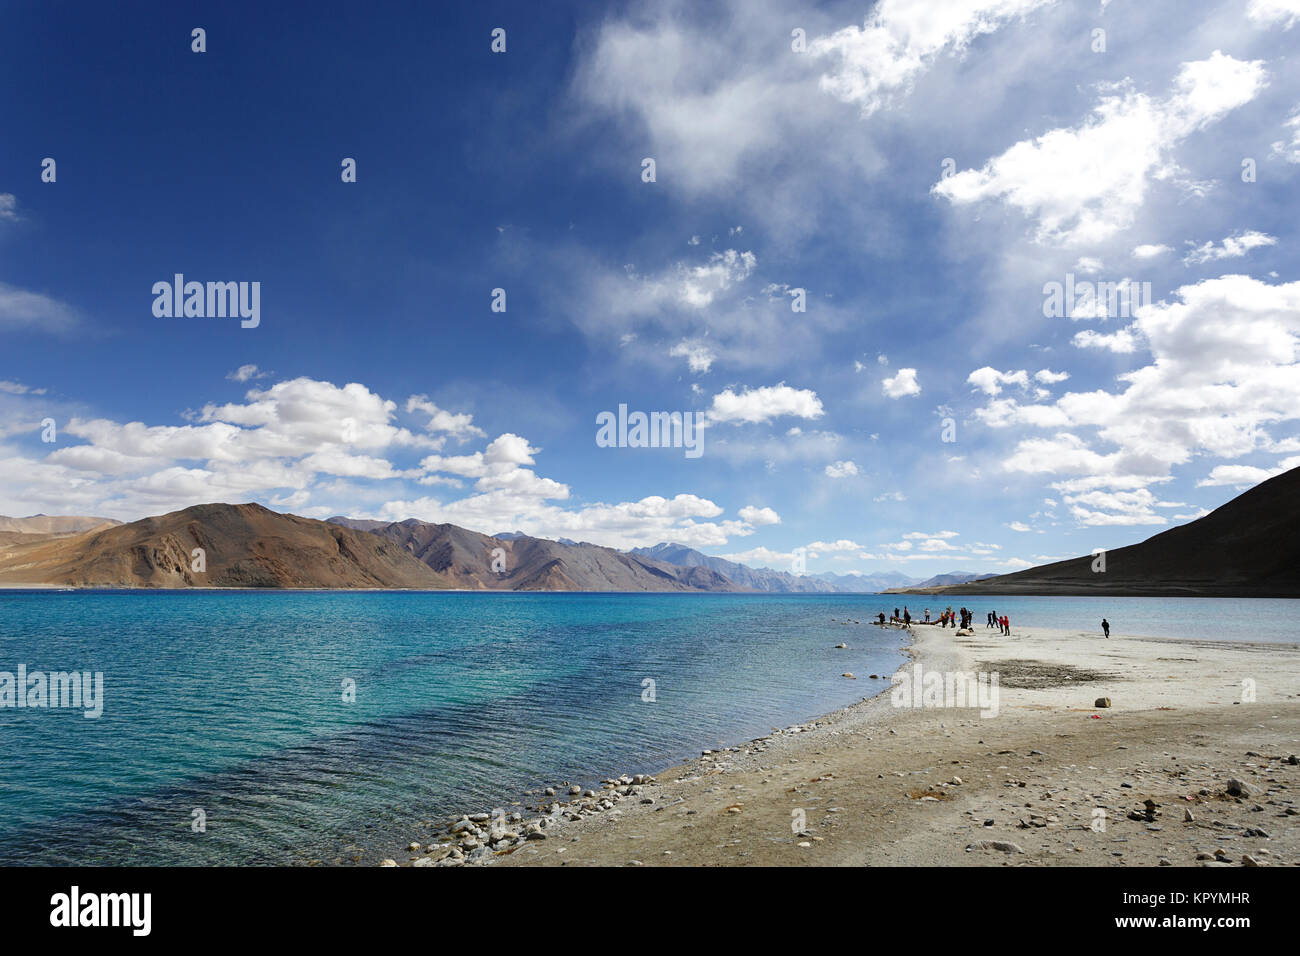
[(993, 616), (1105, 627), (1006, 625), (907, 615)]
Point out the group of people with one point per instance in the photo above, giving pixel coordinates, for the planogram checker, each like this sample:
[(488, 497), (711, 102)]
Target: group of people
[(948, 618)]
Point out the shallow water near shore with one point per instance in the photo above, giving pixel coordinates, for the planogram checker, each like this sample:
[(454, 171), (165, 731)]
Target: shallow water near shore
[(232, 703)]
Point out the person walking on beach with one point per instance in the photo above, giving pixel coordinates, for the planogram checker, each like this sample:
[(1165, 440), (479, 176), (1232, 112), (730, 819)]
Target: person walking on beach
[(1006, 625), (907, 615), (992, 618), (1105, 627)]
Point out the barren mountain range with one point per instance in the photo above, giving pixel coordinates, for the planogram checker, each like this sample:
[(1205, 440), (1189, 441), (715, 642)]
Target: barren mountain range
[(1248, 547)]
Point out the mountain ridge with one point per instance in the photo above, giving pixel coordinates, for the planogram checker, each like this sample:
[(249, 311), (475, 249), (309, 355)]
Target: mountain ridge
[(1247, 547)]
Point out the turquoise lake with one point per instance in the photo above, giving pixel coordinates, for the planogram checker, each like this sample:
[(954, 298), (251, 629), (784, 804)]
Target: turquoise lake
[(232, 702)]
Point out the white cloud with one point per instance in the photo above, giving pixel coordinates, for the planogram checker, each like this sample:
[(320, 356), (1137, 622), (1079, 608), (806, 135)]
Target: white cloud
[(1233, 247), (18, 388), (246, 373), (990, 380), (1019, 526), (902, 384), (843, 544), (322, 449), (762, 558), (1124, 341), (841, 469), (753, 405), (1270, 12), (1150, 251), (699, 357), (1101, 508), (8, 206), (1086, 183), (700, 284), (758, 517), (459, 426), (1290, 151), (878, 61), (1245, 474), (1048, 377), (1225, 368), (20, 309)]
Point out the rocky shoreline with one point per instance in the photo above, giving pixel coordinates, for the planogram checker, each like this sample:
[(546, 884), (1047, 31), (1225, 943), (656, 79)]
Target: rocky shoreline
[(1192, 764), (477, 838)]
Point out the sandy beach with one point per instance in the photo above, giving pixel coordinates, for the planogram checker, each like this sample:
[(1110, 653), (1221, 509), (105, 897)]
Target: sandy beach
[(1183, 769)]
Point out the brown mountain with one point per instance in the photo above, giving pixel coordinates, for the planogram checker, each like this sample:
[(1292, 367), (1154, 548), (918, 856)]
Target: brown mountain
[(1249, 547), (467, 559), (245, 546), (47, 524)]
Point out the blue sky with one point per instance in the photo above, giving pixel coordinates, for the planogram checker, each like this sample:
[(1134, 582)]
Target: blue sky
[(922, 170)]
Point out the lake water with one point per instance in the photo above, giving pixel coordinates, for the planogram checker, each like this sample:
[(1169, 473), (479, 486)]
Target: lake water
[(232, 703)]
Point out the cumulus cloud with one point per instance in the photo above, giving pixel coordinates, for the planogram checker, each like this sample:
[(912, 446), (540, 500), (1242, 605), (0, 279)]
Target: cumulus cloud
[(459, 426), (990, 380), (902, 384), (1085, 183), (841, 469), (1245, 475), (758, 517), (320, 449), (1224, 370), (753, 405)]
